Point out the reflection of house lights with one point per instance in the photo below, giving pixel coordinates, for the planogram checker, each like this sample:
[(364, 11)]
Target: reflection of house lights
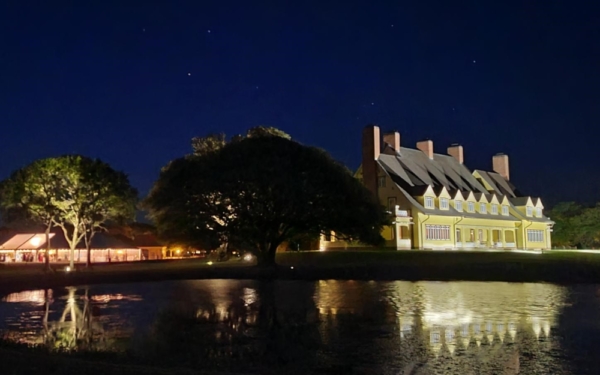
[(35, 241)]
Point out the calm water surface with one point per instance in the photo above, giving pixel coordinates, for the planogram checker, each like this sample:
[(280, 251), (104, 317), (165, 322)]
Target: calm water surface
[(325, 327)]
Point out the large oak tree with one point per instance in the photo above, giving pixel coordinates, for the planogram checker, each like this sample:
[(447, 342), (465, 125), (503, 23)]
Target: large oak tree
[(258, 192), (75, 193)]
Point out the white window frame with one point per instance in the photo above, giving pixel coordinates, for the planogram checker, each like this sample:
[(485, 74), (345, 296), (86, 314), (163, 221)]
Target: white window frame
[(538, 211), (429, 202), (444, 203), (470, 206), (505, 210), (494, 209), (458, 205), (535, 235), (381, 181), (482, 208), (437, 232), (529, 211)]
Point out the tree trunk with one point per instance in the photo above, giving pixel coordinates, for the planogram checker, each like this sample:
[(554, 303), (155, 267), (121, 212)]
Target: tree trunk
[(266, 256), (88, 247), (47, 255)]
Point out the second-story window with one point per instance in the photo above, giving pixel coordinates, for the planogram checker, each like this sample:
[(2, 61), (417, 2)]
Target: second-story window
[(458, 205), (470, 206), (482, 208), (529, 210), (428, 202), (444, 203), (505, 210), (538, 212), (381, 182), (494, 209)]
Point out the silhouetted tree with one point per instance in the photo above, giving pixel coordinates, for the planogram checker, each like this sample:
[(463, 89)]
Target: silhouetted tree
[(259, 192)]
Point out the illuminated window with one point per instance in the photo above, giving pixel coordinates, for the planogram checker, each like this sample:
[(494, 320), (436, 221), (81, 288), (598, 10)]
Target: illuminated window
[(529, 211), (505, 210), (458, 205), (437, 232), (534, 235), (428, 202), (494, 209), (381, 182), (470, 206), (458, 236), (444, 204), (482, 208)]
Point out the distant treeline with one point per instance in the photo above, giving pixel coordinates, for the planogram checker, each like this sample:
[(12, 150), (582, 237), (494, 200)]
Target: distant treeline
[(576, 225)]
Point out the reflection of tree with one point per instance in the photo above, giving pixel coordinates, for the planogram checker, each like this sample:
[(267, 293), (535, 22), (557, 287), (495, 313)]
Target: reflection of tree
[(251, 328), (75, 329)]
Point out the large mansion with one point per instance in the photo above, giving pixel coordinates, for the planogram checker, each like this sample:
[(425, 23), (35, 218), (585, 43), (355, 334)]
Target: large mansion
[(437, 203)]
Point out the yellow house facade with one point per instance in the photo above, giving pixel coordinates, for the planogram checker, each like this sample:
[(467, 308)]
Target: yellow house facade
[(436, 202)]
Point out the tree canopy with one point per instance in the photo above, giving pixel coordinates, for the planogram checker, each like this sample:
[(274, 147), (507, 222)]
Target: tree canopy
[(258, 192), (75, 193), (575, 225), (214, 142)]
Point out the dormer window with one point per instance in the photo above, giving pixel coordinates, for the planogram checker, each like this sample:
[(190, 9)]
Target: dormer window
[(529, 211), (444, 204), (505, 210), (428, 202), (458, 205), (381, 182), (538, 212), (482, 208), (470, 206), (494, 209)]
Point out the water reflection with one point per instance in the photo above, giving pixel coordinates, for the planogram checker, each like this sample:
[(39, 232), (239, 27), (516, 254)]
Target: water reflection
[(65, 320), (303, 327)]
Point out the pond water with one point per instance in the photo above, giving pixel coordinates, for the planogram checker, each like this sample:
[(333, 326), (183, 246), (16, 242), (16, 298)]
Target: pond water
[(324, 327)]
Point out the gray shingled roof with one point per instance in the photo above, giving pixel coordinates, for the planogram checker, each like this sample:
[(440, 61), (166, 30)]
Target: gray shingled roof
[(414, 168), (413, 172), (498, 183)]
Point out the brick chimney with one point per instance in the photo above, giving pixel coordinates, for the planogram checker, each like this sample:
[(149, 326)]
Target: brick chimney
[(500, 164), (427, 147), (456, 151), (371, 148), (393, 139)]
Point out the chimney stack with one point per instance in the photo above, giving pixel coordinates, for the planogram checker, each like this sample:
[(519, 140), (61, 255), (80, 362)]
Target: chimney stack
[(427, 147), (500, 164), (371, 148), (456, 151), (393, 139)]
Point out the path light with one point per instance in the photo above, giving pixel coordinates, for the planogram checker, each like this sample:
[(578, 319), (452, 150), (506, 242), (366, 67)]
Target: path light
[(67, 269), (209, 263), (292, 267), (248, 257)]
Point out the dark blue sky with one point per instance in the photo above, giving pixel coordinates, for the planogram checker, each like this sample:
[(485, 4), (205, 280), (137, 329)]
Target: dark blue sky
[(132, 83)]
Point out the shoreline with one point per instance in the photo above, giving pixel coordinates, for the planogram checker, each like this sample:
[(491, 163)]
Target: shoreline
[(551, 272)]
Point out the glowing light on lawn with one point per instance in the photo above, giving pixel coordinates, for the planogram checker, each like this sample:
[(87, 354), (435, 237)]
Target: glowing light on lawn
[(210, 263), (248, 257), (292, 267), (67, 269)]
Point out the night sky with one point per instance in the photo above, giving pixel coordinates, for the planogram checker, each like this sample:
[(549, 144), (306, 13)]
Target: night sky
[(132, 83)]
